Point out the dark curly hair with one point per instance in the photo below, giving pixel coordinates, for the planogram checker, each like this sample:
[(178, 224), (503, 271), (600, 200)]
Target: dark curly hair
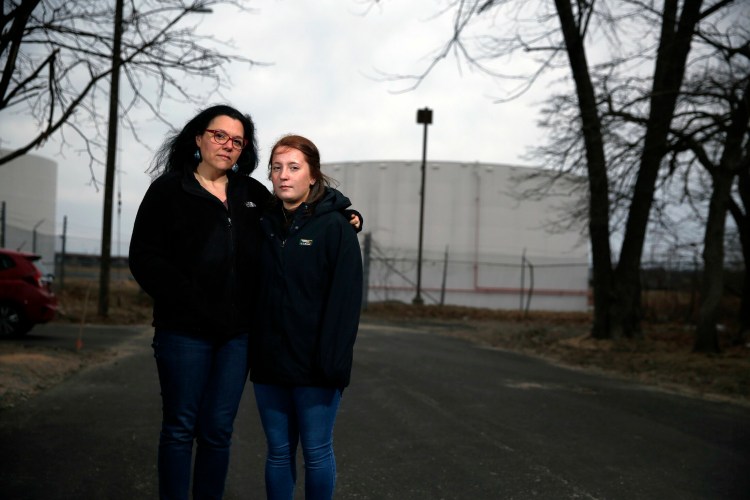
[(178, 151)]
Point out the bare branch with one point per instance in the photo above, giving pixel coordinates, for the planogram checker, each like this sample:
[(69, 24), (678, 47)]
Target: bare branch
[(57, 63)]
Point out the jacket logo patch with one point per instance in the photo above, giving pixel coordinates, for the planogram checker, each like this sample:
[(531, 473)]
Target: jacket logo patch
[(250, 204), (305, 243)]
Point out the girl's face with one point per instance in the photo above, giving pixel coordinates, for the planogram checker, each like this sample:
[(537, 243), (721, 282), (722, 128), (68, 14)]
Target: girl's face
[(221, 156), (290, 176)]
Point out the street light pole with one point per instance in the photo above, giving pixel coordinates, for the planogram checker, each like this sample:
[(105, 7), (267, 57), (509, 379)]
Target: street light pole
[(424, 116)]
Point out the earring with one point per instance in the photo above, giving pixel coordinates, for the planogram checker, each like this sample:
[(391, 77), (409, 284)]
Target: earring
[(235, 167), (197, 154)]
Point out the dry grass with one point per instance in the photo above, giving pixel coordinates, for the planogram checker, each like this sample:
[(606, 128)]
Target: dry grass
[(25, 371), (128, 304)]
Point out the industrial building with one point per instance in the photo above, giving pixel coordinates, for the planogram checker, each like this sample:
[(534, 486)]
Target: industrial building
[(488, 233), (28, 193), (489, 238)]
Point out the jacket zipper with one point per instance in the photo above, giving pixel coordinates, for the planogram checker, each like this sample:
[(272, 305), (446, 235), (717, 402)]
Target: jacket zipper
[(232, 269)]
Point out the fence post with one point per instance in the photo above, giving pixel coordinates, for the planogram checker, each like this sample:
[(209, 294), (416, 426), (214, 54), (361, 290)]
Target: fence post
[(523, 276), (33, 236), (63, 237), (2, 226), (445, 274), (531, 287)]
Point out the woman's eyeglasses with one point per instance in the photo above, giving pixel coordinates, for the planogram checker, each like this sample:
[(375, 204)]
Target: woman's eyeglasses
[(221, 137)]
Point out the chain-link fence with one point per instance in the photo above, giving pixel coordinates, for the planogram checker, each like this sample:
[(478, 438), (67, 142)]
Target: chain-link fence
[(494, 281), (29, 240), (670, 287)]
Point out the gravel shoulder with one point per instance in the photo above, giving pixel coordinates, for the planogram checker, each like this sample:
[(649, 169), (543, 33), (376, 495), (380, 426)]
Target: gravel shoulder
[(26, 371)]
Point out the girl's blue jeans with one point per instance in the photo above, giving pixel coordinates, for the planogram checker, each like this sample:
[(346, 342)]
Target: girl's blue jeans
[(201, 385), (298, 414)]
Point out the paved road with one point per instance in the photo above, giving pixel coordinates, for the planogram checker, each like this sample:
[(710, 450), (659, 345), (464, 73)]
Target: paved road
[(427, 417)]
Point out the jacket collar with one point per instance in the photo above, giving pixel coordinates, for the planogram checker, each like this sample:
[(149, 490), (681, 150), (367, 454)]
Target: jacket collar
[(191, 185)]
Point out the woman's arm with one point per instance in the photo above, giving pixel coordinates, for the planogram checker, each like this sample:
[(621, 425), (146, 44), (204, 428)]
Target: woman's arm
[(152, 256)]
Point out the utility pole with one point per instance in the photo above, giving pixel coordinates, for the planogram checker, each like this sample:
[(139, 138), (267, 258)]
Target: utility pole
[(109, 178), (423, 116)]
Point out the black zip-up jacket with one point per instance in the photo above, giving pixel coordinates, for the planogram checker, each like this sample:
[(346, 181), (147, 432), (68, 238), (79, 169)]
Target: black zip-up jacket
[(196, 258), (310, 297)]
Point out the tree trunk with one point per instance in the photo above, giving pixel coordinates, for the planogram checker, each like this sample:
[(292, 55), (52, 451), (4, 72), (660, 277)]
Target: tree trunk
[(669, 70), (742, 219), (741, 215), (743, 330), (734, 161), (712, 289), (597, 169), (625, 309)]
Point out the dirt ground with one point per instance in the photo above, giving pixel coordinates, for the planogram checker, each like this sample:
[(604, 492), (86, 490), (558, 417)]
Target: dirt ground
[(662, 358), (26, 371)]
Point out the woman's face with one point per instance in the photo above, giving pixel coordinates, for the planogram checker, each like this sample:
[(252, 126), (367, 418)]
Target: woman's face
[(221, 156), (290, 176)]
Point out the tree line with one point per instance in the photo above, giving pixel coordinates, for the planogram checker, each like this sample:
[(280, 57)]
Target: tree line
[(656, 94)]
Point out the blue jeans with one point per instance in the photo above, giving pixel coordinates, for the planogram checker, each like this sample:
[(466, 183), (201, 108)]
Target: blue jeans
[(291, 414), (201, 385)]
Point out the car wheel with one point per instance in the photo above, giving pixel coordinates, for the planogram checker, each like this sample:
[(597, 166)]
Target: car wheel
[(11, 322)]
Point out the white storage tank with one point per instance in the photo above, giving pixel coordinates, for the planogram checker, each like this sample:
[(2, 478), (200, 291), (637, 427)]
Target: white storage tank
[(502, 249), (28, 186)]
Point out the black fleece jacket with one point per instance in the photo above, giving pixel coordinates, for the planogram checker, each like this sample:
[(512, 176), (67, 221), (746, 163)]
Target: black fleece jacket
[(196, 258), (310, 295)]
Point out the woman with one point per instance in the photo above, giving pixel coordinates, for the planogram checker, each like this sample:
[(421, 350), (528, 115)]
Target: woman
[(195, 250), (200, 213), (311, 290)]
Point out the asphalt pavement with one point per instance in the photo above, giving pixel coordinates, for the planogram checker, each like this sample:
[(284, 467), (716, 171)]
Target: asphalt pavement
[(426, 417)]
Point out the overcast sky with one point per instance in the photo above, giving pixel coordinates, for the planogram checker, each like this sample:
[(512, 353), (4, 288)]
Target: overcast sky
[(324, 55)]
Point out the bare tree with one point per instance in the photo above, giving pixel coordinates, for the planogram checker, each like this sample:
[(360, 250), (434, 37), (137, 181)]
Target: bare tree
[(714, 127), (709, 131), (740, 211), (56, 57), (570, 29), (61, 60)]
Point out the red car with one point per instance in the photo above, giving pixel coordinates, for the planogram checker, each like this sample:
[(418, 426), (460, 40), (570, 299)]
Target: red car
[(26, 296)]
